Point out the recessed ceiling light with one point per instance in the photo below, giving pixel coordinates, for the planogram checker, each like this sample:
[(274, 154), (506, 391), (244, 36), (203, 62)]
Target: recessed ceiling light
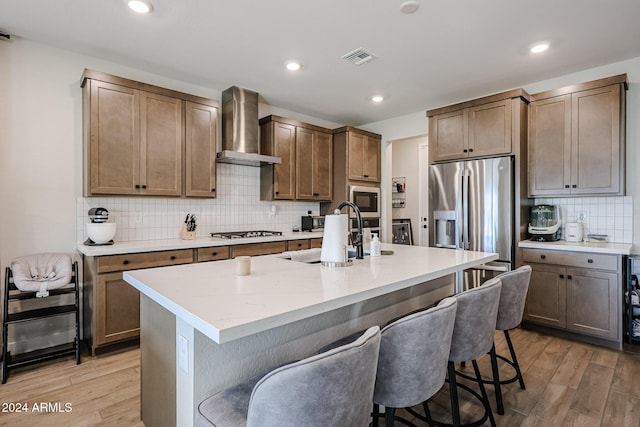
[(293, 65), (539, 47), (140, 6), (409, 6), (377, 98)]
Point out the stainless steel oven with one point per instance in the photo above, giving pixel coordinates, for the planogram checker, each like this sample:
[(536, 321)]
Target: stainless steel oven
[(367, 199)]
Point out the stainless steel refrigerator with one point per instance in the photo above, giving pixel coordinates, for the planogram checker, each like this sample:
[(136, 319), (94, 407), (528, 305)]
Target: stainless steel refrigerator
[(472, 208)]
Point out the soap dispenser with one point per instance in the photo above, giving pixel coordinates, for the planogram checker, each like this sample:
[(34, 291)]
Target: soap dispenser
[(375, 246)]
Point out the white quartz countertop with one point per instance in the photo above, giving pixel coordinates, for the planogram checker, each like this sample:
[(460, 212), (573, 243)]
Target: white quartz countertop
[(172, 244), (224, 307), (561, 245)]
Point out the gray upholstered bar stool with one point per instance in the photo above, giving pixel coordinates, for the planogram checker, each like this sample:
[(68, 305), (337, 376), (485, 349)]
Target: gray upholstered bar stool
[(515, 285), (414, 352), (330, 388), (473, 333)]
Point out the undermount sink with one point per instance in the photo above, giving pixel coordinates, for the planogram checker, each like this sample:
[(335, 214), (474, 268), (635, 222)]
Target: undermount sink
[(312, 256)]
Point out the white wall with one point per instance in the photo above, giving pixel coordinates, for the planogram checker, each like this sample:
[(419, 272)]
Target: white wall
[(416, 124), (405, 163)]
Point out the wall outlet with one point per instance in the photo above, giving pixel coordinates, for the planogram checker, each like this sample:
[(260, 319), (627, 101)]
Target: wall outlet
[(137, 218), (582, 216), (183, 354)]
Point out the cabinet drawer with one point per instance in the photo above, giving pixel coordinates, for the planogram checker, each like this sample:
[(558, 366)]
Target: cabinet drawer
[(571, 259), (253, 249), (143, 260), (316, 243), (215, 253), (295, 245)]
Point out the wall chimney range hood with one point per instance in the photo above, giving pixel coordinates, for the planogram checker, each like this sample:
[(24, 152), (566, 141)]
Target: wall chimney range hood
[(240, 133)]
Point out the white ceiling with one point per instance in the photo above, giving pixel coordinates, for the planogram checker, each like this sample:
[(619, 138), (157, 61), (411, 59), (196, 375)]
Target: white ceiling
[(446, 52)]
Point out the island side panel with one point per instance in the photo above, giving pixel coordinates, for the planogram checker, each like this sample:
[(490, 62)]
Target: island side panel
[(157, 364), (218, 366)]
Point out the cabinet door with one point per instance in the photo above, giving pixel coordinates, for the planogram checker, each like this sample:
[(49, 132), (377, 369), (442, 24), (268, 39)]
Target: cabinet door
[(448, 136), (323, 166), (304, 163), (546, 298), (161, 145), (550, 146), (114, 140), (117, 309), (200, 150), (355, 155), (490, 129), (284, 146), (595, 141), (592, 303), (372, 160)]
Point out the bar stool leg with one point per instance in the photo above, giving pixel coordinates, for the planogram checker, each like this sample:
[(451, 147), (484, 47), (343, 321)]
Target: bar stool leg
[(388, 417), (376, 414), (453, 392), (483, 391), (496, 380), (515, 360)]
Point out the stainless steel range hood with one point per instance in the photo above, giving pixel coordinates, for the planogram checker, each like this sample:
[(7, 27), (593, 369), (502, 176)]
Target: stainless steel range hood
[(240, 136)]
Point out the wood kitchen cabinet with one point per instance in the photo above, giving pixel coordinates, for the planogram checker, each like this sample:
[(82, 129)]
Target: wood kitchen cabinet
[(479, 128), (134, 139), (577, 139), (575, 291), (314, 172), (360, 151), (306, 169), (200, 149), (111, 307)]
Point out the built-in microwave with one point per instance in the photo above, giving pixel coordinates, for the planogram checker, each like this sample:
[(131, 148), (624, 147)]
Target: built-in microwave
[(367, 199)]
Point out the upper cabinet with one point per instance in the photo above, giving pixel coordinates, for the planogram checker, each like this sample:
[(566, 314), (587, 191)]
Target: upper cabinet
[(482, 127), (200, 149), (141, 140), (577, 139), (360, 151), (306, 170)]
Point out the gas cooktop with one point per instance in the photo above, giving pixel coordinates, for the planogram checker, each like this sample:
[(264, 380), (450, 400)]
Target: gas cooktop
[(245, 234)]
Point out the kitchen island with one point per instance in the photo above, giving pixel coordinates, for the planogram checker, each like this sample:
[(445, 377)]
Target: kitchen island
[(204, 329)]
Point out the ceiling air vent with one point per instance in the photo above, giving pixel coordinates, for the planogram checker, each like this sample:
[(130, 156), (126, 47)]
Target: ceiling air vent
[(358, 56)]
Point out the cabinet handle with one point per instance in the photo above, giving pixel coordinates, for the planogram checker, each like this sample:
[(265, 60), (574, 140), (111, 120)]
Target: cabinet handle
[(465, 150), (574, 186), (471, 150), (590, 261), (424, 226), (569, 276), (366, 176), (567, 186), (562, 276), (137, 186), (277, 192), (125, 262), (173, 257), (144, 186), (214, 253), (213, 190), (543, 256), (316, 194)]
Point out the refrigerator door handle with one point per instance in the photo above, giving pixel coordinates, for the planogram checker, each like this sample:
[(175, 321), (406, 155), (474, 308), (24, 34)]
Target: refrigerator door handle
[(465, 244)]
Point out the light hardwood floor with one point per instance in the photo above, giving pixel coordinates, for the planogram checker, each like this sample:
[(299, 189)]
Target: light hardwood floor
[(568, 384)]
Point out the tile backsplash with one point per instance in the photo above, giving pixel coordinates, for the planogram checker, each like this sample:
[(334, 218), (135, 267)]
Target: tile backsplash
[(237, 207), (601, 215)]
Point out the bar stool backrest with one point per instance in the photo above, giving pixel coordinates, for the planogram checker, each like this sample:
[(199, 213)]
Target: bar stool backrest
[(515, 285), (475, 321)]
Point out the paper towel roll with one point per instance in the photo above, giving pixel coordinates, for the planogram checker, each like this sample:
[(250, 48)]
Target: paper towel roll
[(334, 239)]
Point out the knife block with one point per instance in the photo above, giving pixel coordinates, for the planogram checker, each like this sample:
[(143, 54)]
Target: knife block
[(187, 235)]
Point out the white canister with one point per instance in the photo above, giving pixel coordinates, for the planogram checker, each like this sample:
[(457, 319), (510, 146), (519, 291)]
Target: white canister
[(573, 232)]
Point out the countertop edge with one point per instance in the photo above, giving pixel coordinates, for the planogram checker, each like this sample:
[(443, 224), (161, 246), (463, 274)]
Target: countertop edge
[(138, 246), (561, 245)]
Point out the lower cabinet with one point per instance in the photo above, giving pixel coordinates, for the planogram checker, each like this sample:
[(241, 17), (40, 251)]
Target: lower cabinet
[(111, 307), (575, 291)]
